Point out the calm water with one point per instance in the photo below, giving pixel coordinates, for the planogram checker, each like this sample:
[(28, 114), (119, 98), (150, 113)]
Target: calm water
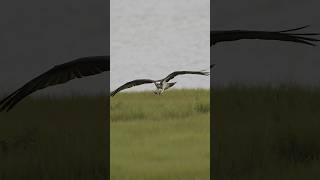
[(152, 38)]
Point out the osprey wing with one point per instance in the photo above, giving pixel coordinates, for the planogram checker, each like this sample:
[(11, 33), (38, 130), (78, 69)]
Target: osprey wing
[(131, 84), (285, 35), (59, 74), (176, 73)]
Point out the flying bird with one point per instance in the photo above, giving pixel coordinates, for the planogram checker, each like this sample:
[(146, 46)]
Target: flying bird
[(161, 85), (285, 35), (78, 68), (87, 66)]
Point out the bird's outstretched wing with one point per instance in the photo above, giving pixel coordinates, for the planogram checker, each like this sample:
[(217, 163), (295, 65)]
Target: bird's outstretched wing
[(176, 73), (131, 84), (285, 35), (78, 68)]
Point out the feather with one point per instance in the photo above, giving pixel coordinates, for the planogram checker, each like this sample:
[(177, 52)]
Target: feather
[(78, 68)]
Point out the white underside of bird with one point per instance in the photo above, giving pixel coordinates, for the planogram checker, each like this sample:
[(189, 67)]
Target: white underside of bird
[(161, 87)]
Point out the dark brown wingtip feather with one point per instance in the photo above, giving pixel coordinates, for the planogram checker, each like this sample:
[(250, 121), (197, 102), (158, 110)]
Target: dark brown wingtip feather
[(294, 29), (5, 102), (304, 40), (300, 37), (113, 93)]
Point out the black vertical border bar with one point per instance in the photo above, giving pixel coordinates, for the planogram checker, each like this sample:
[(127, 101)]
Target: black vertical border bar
[(107, 119), (213, 128)]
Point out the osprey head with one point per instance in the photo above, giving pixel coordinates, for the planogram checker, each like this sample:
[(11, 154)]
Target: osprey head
[(158, 85)]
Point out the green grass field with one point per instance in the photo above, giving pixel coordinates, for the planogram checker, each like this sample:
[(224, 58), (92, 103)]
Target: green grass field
[(152, 137), (160, 137), (260, 133), (54, 139), (267, 133)]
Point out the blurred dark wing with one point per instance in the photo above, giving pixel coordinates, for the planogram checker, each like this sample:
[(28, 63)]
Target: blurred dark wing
[(221, 36), (131, 84), (59, 74), (176, 73)]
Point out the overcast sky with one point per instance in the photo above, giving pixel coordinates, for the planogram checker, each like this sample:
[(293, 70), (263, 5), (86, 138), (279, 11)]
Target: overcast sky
[(36, 35), (265, 61)]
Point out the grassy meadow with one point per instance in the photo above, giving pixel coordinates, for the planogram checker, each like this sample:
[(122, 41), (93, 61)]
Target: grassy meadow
[(266, 133), (54, 139), (259, 133), (152, 137), (160, 137)]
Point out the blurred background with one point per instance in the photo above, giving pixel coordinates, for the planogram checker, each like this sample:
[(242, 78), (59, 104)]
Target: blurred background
[(36, 35), (54, 138), (265, 132), (265, 62)]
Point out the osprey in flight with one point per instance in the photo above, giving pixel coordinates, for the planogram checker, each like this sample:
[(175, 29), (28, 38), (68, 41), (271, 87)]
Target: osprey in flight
[(161, 85), (285, 35), (88, 66), (78, 68)]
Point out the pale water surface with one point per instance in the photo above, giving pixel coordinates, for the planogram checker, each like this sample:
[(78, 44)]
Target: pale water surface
[(152, 38)]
